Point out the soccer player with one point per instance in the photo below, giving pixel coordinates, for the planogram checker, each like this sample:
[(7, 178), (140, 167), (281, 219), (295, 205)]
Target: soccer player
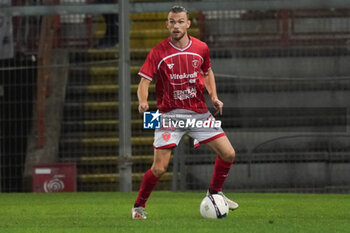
[(180, 66)]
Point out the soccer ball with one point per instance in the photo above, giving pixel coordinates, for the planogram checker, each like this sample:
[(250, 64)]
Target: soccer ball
[(214, 206)]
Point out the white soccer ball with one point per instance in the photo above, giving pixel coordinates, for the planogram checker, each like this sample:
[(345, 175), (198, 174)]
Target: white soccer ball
[(214, 206)]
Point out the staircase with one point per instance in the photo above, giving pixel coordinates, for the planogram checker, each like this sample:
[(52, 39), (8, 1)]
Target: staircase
[(90, 128), (89, 134)]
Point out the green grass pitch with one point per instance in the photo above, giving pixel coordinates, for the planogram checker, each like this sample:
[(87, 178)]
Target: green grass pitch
[(173, 212)]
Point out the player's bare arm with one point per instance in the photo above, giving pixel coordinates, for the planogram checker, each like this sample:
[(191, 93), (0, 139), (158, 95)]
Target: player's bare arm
[(210, 85), (142, 94)]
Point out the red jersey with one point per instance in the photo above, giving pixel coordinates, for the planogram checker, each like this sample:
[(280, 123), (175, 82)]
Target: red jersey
[(179, 74)]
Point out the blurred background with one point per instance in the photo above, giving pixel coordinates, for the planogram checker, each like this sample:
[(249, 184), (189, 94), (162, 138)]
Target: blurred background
[(68, 104)]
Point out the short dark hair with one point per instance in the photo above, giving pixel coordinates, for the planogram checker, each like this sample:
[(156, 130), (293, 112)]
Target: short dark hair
[(178, 9)]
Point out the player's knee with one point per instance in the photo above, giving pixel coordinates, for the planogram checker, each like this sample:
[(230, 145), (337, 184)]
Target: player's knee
[(228, 155), (158, 171)]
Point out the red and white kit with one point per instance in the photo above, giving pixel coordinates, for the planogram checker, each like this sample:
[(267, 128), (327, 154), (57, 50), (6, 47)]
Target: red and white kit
[(179, 75)]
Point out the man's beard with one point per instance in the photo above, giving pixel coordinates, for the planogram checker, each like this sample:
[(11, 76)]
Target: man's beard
[(179, 36)]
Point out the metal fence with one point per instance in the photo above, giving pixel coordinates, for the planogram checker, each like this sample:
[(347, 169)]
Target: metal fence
[(68, 81)]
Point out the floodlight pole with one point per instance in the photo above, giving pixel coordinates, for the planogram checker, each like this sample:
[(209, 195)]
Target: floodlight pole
[(124, 159)]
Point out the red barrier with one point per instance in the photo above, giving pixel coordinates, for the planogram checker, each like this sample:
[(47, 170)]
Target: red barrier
[(54, 177)]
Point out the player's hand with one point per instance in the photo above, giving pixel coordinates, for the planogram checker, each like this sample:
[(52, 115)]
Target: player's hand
[(143, 106), (218, 105)]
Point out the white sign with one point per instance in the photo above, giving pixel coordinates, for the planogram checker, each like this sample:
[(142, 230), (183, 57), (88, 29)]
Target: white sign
[(43, 171)]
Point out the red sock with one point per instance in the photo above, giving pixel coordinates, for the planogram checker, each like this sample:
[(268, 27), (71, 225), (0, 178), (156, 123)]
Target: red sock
[(221, 169), (148, 182)]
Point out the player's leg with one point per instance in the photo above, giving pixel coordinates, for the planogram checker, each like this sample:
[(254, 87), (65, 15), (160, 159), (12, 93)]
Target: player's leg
[(226, 154), (164, 141), (223, 148), (217, 140), (150, 179), (161, 161)]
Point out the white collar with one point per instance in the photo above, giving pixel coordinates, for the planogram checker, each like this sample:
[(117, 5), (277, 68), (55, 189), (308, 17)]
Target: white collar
[(181, 49)]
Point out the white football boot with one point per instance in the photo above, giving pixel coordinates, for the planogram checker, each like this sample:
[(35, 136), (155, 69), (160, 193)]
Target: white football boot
[(138, 213), (231, 204)]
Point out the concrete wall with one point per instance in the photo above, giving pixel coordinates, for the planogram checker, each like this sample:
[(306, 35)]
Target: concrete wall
[(284, 174), (230, 24), (52, 119), (284, 66), (312, 176)]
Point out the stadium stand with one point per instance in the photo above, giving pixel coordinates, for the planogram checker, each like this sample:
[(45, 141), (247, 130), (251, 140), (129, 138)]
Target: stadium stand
[(280, 109), (282, 74)]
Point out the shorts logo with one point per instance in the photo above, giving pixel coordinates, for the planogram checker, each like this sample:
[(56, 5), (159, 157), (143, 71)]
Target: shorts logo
[(151, 120), (195, 63), (166, 136)]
